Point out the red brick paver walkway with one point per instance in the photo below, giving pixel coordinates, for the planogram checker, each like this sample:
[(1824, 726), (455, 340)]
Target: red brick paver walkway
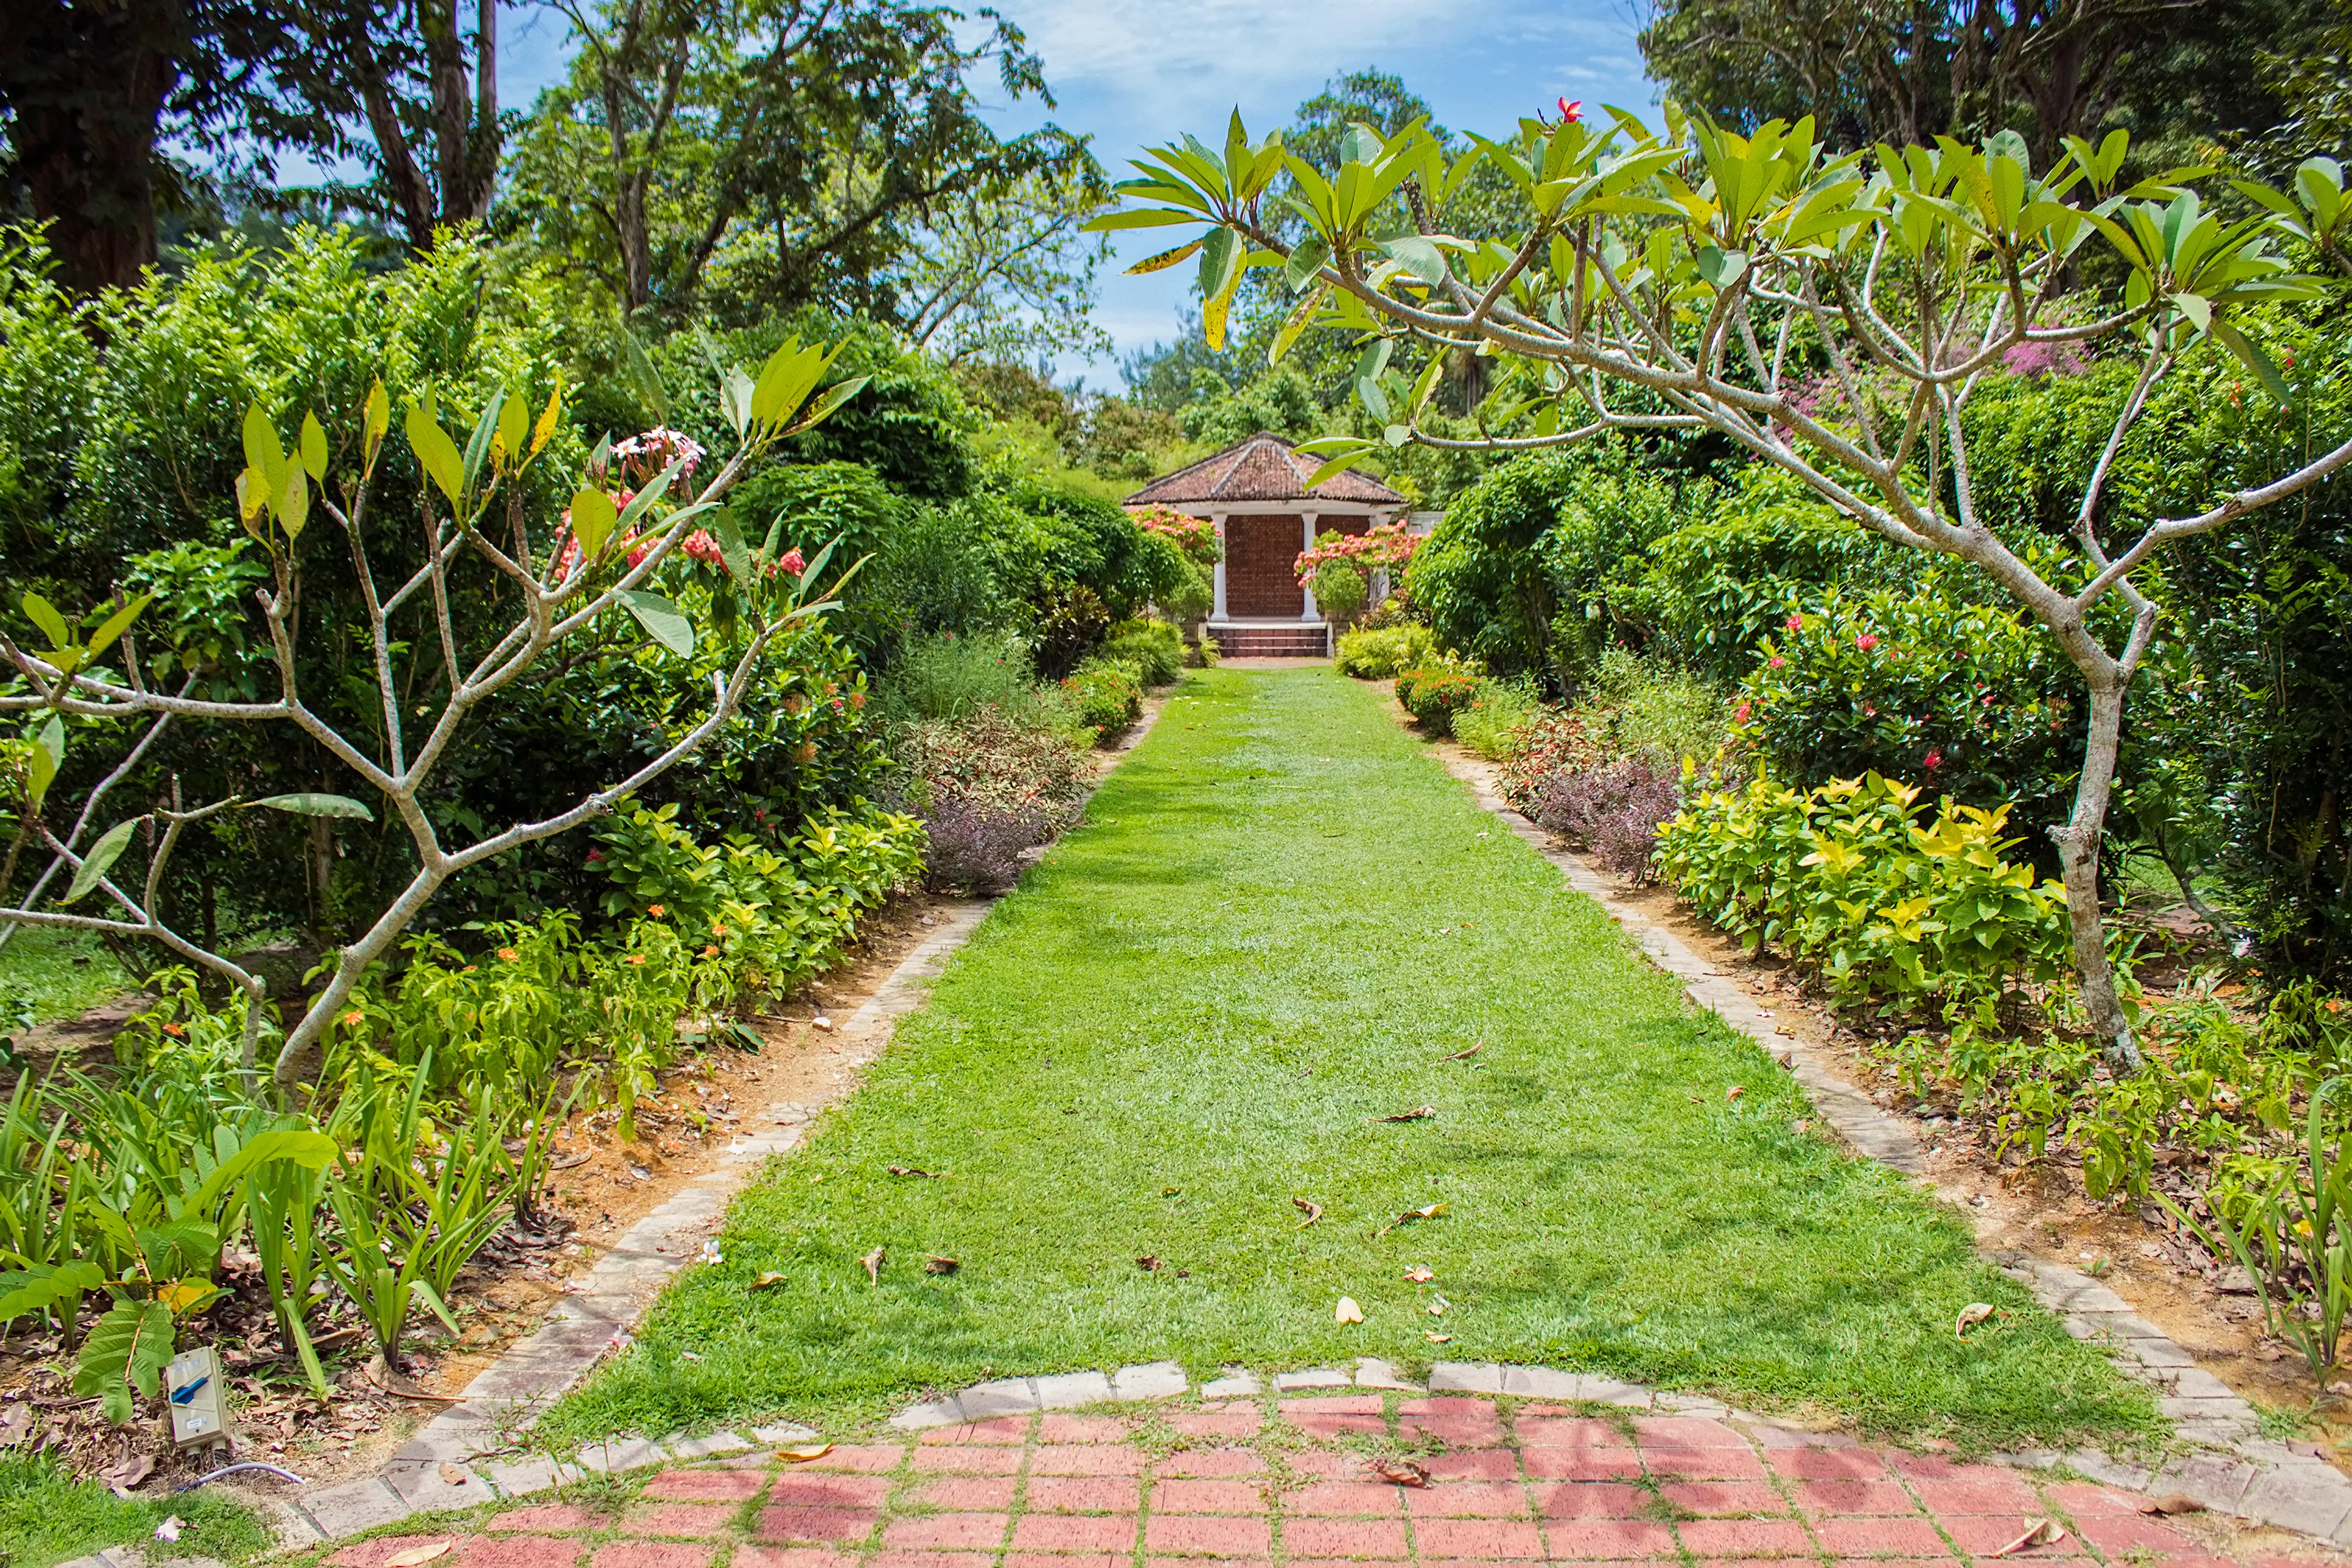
[(1241, 1484)]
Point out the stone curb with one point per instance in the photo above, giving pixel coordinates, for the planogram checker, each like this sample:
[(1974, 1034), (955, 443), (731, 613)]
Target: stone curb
[(438, 1467), (2227, 1466)]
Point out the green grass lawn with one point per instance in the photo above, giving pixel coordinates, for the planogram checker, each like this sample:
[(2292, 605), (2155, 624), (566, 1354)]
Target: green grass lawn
[(46, 1517), (1280, 919), (64, 973)]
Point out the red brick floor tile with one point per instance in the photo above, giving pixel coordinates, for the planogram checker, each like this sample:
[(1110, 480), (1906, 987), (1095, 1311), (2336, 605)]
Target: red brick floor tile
[(1342, 1561), (830, 1491), (678, 1519), (1080, 1494), (1085, 1459), (652, 1554), (706, 1486), (371, 1553), (1064, 1560), (1828, 1464), (1717, 1498), (1881, 1537), (1326, 1464), (1999, 1494), (1208, 1497), (1581, 1464), (1343, 1538), (1212, 1462), (2195, 1563), (518, 1551), (1609, 1539), (1982, 1533), (870, 1458), (1575, 1431), (1074, 1532), (1205, 1536), (1472, 1464), (830, 1524), (1345, 1499), (1241, 1423), (1744, 1538), (1467, 1500), (1853, 1497), (888, 1559), (1476, 1562), (1082, 1429), (1704, 1464), (548, 1516), (1684, 1432), (1463, 1423), (1003, 1429), (1591, 1500), (818, 1557), (1476, 1537), (1933, 1562), (1190, 1562), (1334, 1404), (1339, 1426), (2115, 1534), (969, 1494), (2079, 1499), (1927, 1466), (945, 1532), (970, 1461)]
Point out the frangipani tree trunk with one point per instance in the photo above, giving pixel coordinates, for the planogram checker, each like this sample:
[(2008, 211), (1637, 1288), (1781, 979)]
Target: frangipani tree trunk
[(1832, 316), (569, 583)]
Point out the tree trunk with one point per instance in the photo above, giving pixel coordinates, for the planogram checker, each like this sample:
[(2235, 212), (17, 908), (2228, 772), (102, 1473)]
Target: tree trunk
[(85, 85), (2078, 849)]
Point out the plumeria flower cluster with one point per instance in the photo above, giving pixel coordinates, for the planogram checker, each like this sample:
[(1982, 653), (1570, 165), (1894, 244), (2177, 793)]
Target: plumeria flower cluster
[(646, 454)]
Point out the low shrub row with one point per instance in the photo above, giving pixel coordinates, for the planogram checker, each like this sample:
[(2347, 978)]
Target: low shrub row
[(1434, 697)]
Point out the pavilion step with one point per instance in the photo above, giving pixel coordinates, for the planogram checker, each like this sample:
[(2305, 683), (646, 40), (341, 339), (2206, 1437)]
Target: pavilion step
[(1272, 642)]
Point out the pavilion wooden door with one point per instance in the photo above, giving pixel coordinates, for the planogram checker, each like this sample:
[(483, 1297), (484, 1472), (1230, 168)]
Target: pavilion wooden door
[(1259, 553)]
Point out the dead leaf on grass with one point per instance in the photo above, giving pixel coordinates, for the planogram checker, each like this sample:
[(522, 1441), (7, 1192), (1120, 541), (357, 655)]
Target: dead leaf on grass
[(170, 1527), (1974, 1312), (1347, 1311), (941, 1265), (1311, 1209), (128, 1471), (1466, 1056), (1426, 1210), (1399, 1472), (417, 1555), (1734, 1092), (1440, 1306), (801, 1453), (1434, 1337), (1147, 1263), (15, 1426), (2172, 1502), (873, 1261), (912, 1171), (1420, 1113), (768, 1281), (1420, 1274), (2038, 1532)]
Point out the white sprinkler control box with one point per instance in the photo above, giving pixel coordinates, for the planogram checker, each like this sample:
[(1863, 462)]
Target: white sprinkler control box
[(192, 1384)]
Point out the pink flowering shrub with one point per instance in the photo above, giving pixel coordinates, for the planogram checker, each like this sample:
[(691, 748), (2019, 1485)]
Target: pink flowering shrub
[(1196, 537), (1390, 545)]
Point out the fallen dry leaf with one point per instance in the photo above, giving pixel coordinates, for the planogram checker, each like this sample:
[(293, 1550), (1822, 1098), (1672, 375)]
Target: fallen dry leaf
[(128, 1471), (913, 1171), (941, 1265), (1782, 1029), (1434, 1337), (1347, 1311), (2172, 1502), (1734, 1092), (170, 1527), (1147, 1263), (2038, 1532), (1466, 1056), (568, 1161), (1420, 1274), (801, 1454), (1311, 1209), (1974, 1312), (418, 1554), (15, 1426), (1426, 1210), (1399, 1472), (768, 1281), (1440, 1306), (1421, 1113), (821, 1022), (873, 1261), (452, 1475), (1802, 1124)]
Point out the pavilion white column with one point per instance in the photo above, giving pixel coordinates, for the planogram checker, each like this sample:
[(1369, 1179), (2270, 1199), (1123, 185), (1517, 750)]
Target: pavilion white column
[(1217, 607), (1307, 534)]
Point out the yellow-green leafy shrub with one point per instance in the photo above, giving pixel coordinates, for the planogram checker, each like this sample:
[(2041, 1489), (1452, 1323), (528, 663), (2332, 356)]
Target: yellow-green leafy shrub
[(1385, 653)]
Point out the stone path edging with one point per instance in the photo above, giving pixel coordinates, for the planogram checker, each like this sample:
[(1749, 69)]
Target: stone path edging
[(2229, 1467)]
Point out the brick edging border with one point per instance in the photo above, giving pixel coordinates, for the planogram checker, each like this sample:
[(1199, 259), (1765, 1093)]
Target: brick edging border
[(2226, 1463)]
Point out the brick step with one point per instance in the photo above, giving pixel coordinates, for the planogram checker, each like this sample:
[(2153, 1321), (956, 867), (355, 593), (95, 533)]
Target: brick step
[(1272, 642)]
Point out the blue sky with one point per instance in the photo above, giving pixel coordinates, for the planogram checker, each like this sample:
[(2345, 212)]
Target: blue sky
[(1133, 73)]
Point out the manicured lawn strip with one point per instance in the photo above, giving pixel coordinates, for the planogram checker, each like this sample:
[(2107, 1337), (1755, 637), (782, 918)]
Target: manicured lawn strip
[(47, 1516), (1281, 916)]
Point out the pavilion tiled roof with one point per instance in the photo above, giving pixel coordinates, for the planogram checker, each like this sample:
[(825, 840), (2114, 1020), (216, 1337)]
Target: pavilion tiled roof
[(1262, 468)]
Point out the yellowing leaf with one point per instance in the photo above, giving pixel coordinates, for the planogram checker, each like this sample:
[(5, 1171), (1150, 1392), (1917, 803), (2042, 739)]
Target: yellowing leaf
[(801, 1453), (768, 1281), (1348, 1312), (417, 1555), (1974, 1312), (182, 1294), (546, 425)]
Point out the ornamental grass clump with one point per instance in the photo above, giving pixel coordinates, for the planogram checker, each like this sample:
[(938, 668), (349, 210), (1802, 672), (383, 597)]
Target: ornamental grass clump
[(1847, 882)]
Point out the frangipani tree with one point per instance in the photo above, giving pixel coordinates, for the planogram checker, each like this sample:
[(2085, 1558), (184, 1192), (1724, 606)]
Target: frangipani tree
[(575, 580), (1831, 315)]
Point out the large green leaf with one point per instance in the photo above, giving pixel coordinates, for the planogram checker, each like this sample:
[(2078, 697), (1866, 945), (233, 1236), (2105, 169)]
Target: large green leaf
[(297, 1146), (308, 803), (47, 1286), (664, 621), (102, 858), (436, 453), (593, 517), (133, 1342), (45, 615)]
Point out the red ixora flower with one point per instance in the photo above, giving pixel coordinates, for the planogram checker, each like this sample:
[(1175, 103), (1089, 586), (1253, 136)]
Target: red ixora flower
[(1777, 661), (1933, 760), (1865, 642), (1739, 714), (1796, 622)]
